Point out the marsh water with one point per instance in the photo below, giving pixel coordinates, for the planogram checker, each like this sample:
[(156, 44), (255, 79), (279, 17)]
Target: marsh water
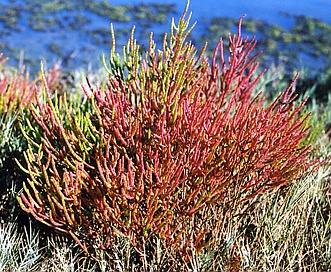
[(268, 10), (76, 33)]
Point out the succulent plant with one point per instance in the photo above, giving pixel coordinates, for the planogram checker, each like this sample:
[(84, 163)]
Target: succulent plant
[(170, 141)]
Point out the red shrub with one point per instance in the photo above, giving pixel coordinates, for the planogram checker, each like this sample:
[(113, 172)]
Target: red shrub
[(169, 138)]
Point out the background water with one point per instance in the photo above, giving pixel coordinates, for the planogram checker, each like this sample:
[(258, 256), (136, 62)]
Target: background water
[(268, 10), (74, 47)]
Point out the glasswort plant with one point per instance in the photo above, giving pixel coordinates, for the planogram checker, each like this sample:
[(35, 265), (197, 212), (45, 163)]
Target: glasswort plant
[(169, 140)]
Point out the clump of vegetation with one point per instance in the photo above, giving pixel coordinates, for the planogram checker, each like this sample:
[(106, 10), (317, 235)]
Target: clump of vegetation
[(170, 162), (17, 93), (153, 167)]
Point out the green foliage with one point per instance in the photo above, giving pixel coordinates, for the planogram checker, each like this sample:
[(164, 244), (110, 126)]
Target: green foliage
[(166, 153), (17, 93)]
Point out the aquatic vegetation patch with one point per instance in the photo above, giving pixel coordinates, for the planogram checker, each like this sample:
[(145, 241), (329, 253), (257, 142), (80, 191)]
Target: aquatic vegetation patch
[(305, 44), (65, 22)]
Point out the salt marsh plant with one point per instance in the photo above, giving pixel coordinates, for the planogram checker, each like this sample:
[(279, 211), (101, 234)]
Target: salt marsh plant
[(166, 154), (17, 93)]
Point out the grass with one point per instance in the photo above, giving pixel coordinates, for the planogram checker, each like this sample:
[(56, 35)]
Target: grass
[(18, 251), (292, 229)]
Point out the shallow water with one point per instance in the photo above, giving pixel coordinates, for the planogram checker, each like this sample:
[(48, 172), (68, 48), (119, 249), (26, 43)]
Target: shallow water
[(80, 43), (268, 10)]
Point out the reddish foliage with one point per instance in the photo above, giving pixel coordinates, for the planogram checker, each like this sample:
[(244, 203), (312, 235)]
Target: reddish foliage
[(150, 154), (18, 91)]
